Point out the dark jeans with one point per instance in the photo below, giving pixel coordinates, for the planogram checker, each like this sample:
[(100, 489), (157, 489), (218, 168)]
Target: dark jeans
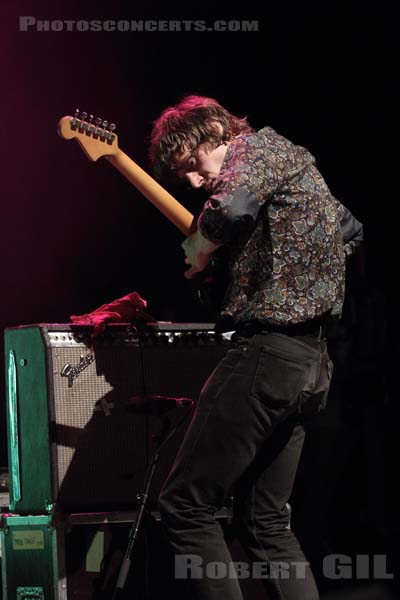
[(246, 435)]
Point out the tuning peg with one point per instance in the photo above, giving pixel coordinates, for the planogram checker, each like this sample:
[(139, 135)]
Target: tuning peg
[(76, 113), (90, 118), (98, 121), (105, 124), (83, 116), (112, 127)]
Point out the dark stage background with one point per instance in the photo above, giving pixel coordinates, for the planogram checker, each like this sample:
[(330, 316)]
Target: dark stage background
[(76, 234)]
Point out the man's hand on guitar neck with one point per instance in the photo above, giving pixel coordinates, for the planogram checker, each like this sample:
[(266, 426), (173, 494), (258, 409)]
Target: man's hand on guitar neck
[(198, 251)]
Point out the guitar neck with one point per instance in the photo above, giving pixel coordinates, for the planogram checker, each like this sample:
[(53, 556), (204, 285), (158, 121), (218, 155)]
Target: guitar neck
[(153, 191)]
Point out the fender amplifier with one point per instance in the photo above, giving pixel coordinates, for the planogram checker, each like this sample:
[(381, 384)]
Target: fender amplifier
[(82, 420)]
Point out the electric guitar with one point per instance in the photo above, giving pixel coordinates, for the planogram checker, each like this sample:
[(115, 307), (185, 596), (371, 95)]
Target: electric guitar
[(99, 139)]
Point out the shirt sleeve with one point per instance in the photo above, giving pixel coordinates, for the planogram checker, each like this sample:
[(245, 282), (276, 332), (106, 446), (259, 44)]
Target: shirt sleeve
[(224, 217), (247, 181), (352, 231)]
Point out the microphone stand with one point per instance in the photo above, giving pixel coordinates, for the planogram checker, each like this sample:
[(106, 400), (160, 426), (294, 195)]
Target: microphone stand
[(162, 439)]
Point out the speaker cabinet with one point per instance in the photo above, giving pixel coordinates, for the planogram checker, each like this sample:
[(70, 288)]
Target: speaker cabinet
[(83, 419), (80, 558)]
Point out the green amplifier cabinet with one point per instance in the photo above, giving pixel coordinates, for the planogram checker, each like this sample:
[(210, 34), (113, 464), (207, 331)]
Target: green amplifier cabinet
[(28, 418), (79, 558), (31, 566)]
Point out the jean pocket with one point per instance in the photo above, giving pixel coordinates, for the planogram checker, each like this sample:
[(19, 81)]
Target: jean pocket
[(326, 383), (279, 378), (312, 402)]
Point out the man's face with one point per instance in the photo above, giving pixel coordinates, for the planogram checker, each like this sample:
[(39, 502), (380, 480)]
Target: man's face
[(202, 166)]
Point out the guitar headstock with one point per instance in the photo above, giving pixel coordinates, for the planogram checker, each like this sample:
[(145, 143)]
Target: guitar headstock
[(96, 138)]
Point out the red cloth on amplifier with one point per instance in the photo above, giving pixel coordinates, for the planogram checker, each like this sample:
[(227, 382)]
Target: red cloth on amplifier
[(122, 310)]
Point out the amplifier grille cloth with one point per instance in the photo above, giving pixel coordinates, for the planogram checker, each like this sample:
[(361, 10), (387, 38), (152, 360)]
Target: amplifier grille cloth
[(99, 447)]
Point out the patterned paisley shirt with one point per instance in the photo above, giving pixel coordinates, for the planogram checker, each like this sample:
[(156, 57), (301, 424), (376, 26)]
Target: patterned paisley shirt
[(286, 235)]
